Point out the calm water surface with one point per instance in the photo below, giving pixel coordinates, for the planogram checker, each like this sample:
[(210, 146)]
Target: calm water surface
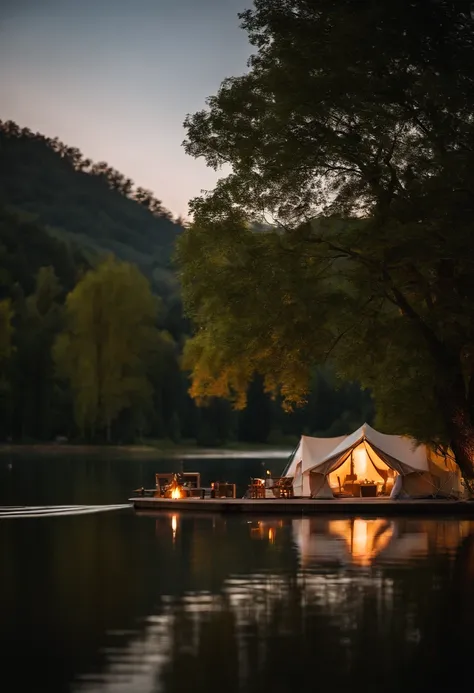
[(119, 602)]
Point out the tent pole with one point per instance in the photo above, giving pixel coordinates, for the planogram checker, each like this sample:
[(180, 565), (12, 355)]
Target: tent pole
[(290, 459)]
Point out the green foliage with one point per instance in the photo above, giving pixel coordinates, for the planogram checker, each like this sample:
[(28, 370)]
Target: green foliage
[(39, 319), (6, 329), (37, 270), (253, 295), (108, 343), (352, 136), (385, 354), (25, 247), (345, 106)]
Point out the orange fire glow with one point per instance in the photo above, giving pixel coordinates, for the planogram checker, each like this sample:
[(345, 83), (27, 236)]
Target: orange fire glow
[(176, 493)]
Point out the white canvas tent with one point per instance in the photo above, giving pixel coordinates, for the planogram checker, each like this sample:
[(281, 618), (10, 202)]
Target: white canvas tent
[(399, 465)]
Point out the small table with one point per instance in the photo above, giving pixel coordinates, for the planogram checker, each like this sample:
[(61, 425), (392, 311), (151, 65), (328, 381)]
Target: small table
[(352, 487), (368, 490)]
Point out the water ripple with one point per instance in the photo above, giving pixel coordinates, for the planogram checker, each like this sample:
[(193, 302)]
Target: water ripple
[(15, 511)]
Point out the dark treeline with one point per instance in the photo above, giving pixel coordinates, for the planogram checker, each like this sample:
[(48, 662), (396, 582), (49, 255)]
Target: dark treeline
[(64, 372)]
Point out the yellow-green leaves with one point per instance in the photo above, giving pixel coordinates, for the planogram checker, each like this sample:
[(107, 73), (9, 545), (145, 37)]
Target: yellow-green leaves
[(258, 306), (108, 342)]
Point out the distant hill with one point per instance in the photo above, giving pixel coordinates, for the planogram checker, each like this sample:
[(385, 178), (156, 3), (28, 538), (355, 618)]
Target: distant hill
[(92, 205)]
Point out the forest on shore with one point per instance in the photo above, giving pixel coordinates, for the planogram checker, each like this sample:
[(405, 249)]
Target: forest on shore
[(92, 328)]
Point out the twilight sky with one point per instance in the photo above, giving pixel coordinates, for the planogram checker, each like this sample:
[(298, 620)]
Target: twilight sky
[(117, 77)]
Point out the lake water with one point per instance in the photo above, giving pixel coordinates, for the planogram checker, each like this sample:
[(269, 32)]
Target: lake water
[(123, 603)]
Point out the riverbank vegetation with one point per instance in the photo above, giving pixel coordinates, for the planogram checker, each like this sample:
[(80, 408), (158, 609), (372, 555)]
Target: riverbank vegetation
[(351, 143)]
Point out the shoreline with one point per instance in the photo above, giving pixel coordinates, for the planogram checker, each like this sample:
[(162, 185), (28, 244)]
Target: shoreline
[(167, 450)]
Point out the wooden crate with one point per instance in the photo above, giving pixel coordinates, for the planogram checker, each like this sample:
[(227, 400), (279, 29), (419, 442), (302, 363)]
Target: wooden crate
[(222, 489)]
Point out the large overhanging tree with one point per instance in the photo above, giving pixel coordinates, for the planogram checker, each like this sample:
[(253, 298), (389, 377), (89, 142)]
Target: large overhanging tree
[(352, 137)]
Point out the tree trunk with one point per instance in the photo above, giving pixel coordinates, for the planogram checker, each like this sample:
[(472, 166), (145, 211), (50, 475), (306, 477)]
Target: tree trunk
[(463, 449), (453, 400), (460, 428)]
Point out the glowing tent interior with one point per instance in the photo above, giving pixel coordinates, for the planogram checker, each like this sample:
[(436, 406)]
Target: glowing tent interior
[(369, 463)]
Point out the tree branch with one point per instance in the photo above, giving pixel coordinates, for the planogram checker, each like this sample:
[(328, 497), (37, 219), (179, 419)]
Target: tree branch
[(346, 331), (435, 346)]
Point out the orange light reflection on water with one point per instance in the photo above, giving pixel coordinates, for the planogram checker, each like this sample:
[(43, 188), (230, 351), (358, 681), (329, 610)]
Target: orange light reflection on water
[(365, 539)]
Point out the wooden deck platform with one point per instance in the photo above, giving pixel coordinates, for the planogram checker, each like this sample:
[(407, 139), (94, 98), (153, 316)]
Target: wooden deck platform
[(304, 506)]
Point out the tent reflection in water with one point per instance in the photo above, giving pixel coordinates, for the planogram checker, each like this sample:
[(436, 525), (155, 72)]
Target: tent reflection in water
[(355, 540), (369, 463), (363, 542)]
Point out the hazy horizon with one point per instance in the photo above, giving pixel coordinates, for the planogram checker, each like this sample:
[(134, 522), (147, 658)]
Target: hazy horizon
[(116, 78)]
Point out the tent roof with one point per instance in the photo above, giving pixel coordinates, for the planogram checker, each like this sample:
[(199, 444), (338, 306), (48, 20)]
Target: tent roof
[(312, 450), (318, 453)]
